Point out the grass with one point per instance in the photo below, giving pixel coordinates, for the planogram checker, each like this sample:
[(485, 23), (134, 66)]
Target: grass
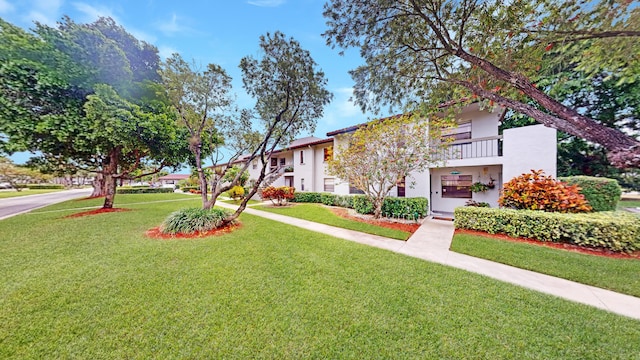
[(628, 203), (321, 214), (620, 275), (237, 202), (25, 192), (95, 287)]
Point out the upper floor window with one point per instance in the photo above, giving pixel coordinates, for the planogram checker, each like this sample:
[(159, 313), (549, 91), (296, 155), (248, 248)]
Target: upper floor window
[(328, 153), (460, 132), (301, 157)]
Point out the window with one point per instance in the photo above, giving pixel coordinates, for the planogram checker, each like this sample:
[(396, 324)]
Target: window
[(301, 157), (328, 153), (255, 164), (354, 190), (283, 161), (301, 184), (329, 185), (274, 162), (456, 186), (461, 132), (401, 187)]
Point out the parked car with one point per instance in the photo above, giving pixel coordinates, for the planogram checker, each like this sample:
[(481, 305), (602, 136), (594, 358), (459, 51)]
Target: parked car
[(5, 185)]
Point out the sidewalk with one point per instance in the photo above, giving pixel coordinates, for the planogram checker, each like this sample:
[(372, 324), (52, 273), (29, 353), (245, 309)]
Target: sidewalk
[(431, 242)]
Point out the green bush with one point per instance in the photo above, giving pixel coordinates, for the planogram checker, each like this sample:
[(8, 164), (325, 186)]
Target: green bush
[(142, 190), (345, 201), (616, 231), (44, 186), (191, 220), (602, 194), (307, 197), (411, 208), (362, 204), (328, 199)]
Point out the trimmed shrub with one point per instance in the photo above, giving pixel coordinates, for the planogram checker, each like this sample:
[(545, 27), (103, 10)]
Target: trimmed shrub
[(616, 231), (236, 192), (191, 220), (142, 190), (345, 201), (328, 199), (535, 191), (44, 186), (410, 208), (362, 204), (278, 195), (602, 194), (306, 197)]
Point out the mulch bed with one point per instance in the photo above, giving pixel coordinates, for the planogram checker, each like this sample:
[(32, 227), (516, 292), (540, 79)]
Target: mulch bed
[(408, 227), (562, 246), (95, 212), (156, 234)]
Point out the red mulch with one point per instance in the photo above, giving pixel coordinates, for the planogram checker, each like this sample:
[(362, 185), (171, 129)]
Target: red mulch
[(156, 234), (562, 246), (96, 212), (344, 213)]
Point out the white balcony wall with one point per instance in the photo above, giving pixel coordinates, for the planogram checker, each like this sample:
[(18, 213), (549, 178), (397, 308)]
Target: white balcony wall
[(529, 148)]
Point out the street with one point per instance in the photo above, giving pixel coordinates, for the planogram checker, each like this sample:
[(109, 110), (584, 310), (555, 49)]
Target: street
[(18, 205)]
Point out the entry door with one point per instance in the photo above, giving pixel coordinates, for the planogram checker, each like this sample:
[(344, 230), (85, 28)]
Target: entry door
[(288, 181)]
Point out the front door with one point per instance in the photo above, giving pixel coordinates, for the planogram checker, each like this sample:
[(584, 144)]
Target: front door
[(288, 181)]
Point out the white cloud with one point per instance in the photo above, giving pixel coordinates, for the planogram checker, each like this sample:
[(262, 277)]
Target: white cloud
[(166, 51), (5, 7), (342, 111), (266, 3), (44, 11), (92, 13), (173, 26)]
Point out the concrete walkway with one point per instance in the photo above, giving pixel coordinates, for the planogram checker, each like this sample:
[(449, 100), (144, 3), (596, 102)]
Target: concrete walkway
[(431, 242)]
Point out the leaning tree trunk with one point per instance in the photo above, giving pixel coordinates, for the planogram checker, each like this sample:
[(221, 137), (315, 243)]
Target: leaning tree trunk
[(110, 170)]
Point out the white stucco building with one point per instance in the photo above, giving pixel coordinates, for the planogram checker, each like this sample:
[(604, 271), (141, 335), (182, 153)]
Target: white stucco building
[(478, 154)]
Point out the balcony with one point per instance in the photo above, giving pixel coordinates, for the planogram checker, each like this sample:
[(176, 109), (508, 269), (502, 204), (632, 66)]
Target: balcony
[(473, 148)]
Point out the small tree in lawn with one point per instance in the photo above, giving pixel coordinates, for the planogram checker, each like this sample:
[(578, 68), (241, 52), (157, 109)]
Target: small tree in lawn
[(279, 196), (379, 154), (16, 175)]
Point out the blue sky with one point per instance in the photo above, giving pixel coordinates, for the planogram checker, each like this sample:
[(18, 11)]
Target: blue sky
[(220, 32)]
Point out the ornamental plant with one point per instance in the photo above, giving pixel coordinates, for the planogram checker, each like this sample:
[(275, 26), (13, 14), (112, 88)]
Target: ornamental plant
[(537, 191), (279, 195), (236, 192)]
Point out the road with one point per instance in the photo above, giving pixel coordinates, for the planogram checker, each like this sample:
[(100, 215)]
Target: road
[(21, 204)]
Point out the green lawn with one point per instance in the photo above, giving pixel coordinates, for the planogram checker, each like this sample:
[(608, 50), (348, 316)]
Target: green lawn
[(13, 193), (619, 275), (628, 203), (321, 214), (96, 288)]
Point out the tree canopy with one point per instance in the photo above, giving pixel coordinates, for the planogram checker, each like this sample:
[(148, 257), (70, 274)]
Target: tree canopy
[(438, 51)]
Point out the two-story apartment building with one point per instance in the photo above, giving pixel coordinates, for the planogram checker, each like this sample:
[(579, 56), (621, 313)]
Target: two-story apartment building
[(477, 154)]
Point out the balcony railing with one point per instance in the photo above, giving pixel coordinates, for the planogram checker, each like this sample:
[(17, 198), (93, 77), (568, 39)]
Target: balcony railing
[(473, 148)]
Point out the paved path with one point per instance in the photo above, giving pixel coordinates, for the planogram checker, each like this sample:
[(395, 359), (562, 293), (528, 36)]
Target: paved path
[(432, 241), (22, 204)]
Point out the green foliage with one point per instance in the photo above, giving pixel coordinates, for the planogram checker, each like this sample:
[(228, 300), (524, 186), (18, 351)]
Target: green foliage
[(410, 208), (479, 187), (307, 197), (233, 172), (192, 220), (142, 190), (236, 192), (44, 186), (476, 203), (535, 191), (616, 231), (278, 195), (602, 194), (362, 204), (327, 199)]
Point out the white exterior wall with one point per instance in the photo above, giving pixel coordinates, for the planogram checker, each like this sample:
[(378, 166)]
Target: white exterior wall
[(342, 185), (530, 147)]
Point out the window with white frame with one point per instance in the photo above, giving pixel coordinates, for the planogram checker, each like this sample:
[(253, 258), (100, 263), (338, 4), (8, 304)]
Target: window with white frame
[(329, 184)]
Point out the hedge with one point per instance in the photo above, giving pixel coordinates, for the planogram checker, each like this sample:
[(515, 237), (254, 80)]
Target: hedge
[(189, 188), (412, 208), (44, 186), (616, 231), (143, 190), (602, 194)]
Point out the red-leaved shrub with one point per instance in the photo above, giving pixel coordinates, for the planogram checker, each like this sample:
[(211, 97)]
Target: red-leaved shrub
[(278, 195), (536, 191)]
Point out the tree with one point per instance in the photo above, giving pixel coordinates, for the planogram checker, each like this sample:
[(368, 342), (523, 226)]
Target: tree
[(75, 95), (381, 153), (290, 95), (489, 50), (16, 175)]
